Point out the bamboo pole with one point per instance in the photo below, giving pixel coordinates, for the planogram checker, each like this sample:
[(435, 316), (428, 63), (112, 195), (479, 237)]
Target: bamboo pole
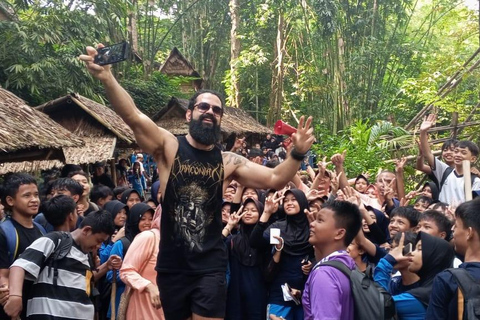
[(467, 178)]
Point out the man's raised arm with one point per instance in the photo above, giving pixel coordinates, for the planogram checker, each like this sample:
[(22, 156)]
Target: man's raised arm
[(148, 135), (256, 176)]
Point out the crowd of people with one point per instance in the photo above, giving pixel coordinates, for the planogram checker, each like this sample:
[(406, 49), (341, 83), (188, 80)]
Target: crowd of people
[(239, 234)]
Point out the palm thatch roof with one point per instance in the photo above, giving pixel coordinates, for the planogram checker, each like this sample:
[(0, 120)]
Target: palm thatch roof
[(27, 134), (29, 166), (177, 65), (99, 126), (235, 120)]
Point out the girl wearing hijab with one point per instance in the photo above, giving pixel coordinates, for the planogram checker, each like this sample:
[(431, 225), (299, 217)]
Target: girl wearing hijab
[(247, 294), (130, 197), (361, 183), (155, 193), (119, 212), (287, 266), (139, 219), (431, 256), (138, 272)]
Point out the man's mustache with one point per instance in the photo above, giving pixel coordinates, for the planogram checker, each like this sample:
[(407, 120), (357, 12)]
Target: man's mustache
[(208, 116)]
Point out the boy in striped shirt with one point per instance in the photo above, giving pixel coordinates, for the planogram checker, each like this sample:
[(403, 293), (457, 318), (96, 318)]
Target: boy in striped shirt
[(62, 289)]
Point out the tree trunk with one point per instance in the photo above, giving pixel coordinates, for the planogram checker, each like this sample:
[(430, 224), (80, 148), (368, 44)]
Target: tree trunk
[(132, 27), (276, 93), (234, 53)]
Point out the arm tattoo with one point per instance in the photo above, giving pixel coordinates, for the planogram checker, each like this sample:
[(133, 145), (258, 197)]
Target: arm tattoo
[(237, 159)]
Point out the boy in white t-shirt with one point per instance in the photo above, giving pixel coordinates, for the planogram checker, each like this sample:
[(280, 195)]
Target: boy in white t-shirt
[(452, 185)]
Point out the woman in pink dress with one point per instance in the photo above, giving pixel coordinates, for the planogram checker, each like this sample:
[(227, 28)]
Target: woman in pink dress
[(138, 272)]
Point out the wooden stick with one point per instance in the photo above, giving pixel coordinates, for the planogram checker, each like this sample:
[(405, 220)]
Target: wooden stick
[(467, 179), (113, 296)]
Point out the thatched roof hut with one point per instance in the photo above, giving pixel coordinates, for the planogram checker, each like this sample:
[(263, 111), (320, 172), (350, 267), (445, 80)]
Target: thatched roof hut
[(177, 65), (27, 134), (98, 126), (235, 121)]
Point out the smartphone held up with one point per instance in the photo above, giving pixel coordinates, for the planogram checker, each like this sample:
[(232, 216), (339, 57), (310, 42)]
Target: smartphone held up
[(112, 54)]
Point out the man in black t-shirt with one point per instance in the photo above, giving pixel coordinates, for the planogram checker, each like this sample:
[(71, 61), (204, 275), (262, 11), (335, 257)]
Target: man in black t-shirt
[(194, 172), (21, 201)]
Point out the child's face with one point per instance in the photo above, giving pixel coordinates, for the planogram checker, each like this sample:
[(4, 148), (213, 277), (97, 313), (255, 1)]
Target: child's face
[(133, 199), (430, 227), (361, 185), (322, 229), (416, 258), (354, 250), (249, 193), (364, 222), (251, 214), (120, 218), (26, 201), (84, 182), (461, 154), (420, 206), (225, 213), (460, 236), (290, 204), (91, 242), (398, 224), (427, 191), (447, 154), (146, 221), (229, 194)]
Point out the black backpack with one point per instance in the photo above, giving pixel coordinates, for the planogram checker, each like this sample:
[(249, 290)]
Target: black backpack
[(371, 301), (63, 243), (470, 289)]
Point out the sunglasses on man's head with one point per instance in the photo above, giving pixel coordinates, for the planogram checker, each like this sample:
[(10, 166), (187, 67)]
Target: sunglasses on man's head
[(204, 107)]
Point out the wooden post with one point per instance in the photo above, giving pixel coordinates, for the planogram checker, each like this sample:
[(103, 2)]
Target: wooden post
[(455, 125), (468, 180), (113, 170)]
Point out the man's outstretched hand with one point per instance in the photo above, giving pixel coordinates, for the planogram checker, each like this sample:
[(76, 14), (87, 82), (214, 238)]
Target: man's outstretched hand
[(101, 73), (303, 138)]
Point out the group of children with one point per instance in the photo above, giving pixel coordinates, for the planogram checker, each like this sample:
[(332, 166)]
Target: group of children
[(66, 256)]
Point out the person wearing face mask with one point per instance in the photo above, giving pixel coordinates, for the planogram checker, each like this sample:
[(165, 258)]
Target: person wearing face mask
[(296, 251), (247, 294), (139, 219)]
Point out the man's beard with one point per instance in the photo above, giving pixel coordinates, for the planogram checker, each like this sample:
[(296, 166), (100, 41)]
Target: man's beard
[(204, 133)]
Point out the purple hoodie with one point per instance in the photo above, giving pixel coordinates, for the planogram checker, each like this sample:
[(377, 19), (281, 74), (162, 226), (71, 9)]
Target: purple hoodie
[(327, 293)]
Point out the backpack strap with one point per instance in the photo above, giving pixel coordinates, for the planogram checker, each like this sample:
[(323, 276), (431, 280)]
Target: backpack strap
[(445, 175), (126, 244), (338, 265), (11, 235), (41, 228)]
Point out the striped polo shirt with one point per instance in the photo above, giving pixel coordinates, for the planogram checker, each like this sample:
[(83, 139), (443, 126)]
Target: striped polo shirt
[(70, 298)]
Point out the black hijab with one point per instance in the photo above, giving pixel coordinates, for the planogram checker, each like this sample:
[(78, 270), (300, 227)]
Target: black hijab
[(437, 255), (434, 188), (127, 194), (154, 192), (114, 207), (134, 217), (241, 249), (295, 229)]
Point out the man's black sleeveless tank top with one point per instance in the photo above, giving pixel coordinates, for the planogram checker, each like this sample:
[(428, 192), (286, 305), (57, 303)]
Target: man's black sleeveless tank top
[(191, 227)]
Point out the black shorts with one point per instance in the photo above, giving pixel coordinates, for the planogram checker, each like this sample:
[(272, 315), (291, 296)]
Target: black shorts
[(184, 294)]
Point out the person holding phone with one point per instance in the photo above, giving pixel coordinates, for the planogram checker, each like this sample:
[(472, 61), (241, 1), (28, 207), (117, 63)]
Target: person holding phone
[(293, 247), (431, 256), (194, 173)]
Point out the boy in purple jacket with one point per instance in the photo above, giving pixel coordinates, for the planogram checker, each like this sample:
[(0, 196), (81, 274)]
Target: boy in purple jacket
[(327, 293)]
